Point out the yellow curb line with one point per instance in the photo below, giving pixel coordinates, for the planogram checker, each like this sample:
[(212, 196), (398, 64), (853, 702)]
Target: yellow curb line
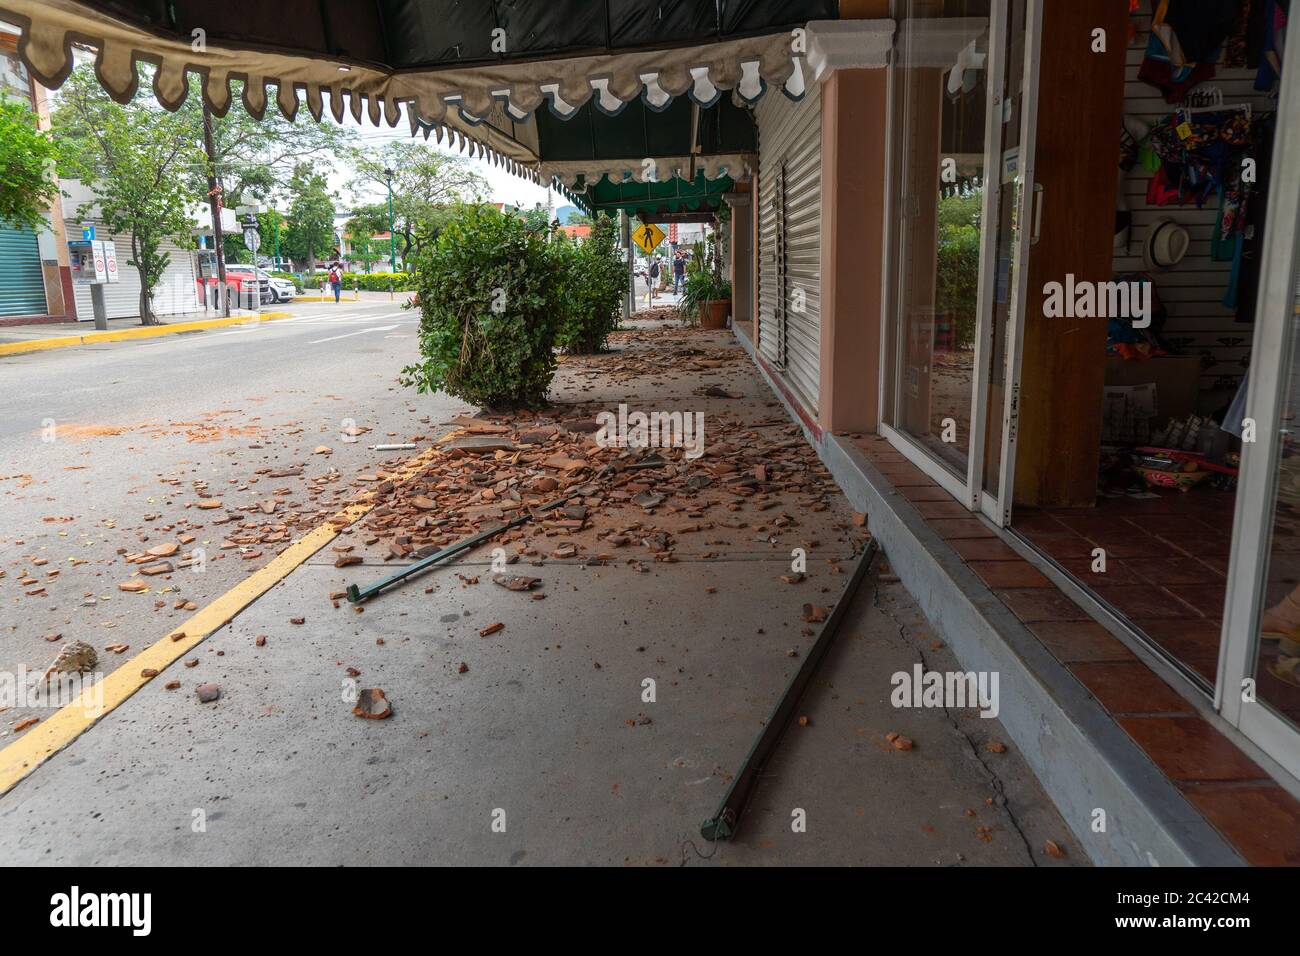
[(69, 722), (140, 332)]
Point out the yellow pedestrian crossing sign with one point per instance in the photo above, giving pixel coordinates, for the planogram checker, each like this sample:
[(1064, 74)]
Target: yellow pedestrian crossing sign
[(648, 236)]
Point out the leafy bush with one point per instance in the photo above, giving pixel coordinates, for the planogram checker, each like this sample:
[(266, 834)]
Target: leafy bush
[(958, 267), (379, 281), (595, 282), (488, 294), (371, 282)]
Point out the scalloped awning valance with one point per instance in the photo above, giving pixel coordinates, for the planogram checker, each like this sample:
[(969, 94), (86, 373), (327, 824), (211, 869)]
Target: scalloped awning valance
[(486, 108)]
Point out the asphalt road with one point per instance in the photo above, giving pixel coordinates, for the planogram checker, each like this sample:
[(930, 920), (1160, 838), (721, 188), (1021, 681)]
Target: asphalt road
[(101, 446)]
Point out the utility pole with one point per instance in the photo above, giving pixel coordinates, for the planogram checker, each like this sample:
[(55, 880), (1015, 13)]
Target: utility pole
[(392, 237), (215, 203), (630, 305), (625, 236)]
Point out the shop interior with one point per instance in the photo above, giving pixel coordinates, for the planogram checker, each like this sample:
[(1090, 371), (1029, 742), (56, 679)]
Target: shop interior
[(1194, 148)]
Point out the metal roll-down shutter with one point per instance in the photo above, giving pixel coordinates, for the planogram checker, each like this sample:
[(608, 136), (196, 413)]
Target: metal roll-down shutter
[(789, 240), (22, 283)]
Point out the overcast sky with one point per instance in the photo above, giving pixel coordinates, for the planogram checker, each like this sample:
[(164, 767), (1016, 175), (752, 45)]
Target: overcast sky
[(504, 187)]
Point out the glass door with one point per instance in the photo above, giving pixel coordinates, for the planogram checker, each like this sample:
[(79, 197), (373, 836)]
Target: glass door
[(1014, 203), (1259, 663), (939, 84), (962, 119)]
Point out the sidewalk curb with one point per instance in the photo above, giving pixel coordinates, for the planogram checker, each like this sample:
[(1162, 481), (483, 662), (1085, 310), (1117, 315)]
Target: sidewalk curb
[(141, 332), (23, 755)]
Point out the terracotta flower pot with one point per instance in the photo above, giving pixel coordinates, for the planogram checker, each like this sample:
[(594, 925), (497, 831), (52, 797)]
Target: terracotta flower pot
[(713, 314)]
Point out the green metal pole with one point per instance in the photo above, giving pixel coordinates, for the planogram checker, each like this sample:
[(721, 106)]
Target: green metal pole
[(392, 238), (277, 240)]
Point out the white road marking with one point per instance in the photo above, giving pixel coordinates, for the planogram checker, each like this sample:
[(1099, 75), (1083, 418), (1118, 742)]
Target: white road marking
[(381, 328)]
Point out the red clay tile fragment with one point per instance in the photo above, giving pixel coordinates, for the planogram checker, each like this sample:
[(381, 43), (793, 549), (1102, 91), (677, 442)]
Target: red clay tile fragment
[(372, 704)]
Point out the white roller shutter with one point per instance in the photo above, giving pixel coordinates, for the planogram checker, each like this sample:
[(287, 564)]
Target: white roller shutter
[(789, 239), (176, 293)]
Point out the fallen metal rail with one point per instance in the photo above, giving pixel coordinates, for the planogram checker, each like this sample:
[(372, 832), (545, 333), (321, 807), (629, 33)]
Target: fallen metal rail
[(358, 595), (722, 825)]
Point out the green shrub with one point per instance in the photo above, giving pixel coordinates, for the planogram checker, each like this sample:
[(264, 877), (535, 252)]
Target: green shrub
[(488, 294), (379, 281), (595, 282)]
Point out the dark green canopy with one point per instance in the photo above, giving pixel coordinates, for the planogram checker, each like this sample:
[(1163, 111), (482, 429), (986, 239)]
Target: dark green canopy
[(649, 201)]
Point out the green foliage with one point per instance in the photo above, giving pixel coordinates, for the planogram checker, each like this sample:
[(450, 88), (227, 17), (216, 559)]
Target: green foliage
[(489, 293), (704, 281), (136, 157), (535, 220), (28, 161), (363, 248), (255, 158), (701, 286), (958, 266), (595, 281), (428, 186), (380, 281), (310, 232), (232, 241)]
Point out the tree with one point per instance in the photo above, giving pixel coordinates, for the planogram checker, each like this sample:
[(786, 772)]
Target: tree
[(366, 222), (427, 186), (310, 232), (237, 251), (28, 157), (362, 247), (254, 158), (137, 158)]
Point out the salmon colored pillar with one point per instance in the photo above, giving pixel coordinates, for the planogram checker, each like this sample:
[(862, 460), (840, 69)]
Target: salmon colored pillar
[(854, 114)]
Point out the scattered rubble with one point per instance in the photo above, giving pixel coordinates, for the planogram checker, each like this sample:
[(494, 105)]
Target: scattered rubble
[(372, 704), (75, 657)]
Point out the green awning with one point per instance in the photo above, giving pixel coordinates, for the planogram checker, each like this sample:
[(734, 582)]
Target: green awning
[(646, 201)]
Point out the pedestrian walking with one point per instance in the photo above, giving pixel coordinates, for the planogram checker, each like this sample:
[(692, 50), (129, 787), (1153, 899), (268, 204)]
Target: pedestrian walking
[(652, 277), (679, 273), (336, 280)]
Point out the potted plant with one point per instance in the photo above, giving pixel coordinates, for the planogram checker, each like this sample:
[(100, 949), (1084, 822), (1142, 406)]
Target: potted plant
[(707, 295)]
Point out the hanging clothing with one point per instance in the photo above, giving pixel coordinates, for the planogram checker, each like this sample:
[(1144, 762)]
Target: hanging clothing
[(1165, 64), (1236, 49)]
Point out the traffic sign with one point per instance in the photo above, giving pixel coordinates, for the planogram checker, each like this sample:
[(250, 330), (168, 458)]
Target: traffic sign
[(110, 261), (648, 236), (252, 239), (101, 263)]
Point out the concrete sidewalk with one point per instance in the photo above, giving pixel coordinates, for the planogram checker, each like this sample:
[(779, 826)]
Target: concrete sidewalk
[(538, 742)]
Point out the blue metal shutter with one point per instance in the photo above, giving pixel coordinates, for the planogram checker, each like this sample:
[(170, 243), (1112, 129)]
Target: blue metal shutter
[(22, 283)]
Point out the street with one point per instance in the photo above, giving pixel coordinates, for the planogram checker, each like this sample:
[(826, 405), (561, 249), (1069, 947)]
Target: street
[(111, 441)]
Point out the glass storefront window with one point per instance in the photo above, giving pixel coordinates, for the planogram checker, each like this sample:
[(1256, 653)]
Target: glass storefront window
[(940, 93)]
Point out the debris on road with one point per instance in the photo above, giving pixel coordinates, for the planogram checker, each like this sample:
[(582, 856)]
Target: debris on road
[(75, 657), (207, 693), (516, 582), (372, 704)]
